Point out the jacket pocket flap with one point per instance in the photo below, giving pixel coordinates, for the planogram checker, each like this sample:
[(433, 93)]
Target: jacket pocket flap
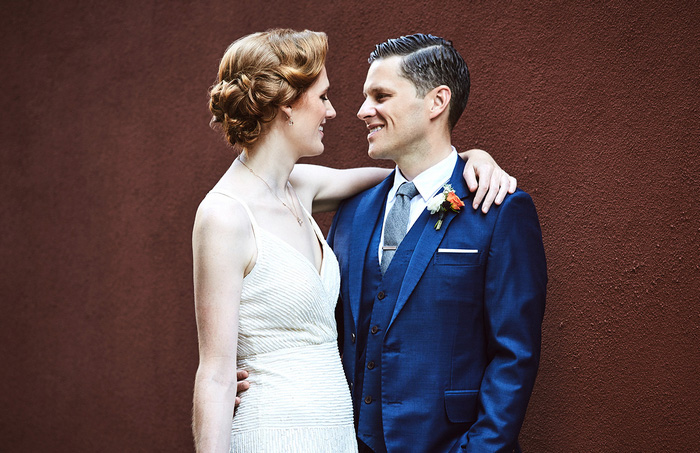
[(461, 405)]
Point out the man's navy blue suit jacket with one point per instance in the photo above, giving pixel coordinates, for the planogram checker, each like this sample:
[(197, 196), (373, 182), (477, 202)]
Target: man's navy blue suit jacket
[(458, 352)]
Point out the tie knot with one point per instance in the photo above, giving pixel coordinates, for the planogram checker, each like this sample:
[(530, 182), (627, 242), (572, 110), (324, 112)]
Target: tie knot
[(407, 189)]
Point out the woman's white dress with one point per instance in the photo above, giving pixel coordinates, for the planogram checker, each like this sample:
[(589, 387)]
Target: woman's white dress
[(298, 400)]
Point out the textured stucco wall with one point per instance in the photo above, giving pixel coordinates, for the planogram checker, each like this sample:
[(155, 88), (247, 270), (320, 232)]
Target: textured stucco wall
[(106, 152)]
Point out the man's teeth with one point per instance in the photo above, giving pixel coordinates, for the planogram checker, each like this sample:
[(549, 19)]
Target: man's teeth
[(375, 129)]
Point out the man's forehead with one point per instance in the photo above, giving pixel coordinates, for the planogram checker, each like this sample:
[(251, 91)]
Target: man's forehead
[(383, 74), (372, 86)]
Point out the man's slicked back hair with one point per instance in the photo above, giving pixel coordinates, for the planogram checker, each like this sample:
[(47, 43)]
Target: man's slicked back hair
[(428, 62)]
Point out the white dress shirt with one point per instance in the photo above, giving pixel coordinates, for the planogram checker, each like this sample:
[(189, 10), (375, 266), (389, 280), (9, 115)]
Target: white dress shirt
[(428, 183)]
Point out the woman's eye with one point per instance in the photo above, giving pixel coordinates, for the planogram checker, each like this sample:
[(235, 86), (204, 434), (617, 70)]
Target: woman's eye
[(324, 97)]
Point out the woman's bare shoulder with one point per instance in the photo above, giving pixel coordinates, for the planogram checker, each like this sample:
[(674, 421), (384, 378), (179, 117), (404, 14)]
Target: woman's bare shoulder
[(218, 213)]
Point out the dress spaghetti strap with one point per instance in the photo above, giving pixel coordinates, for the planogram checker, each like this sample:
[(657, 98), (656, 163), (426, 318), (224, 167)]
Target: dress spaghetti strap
[(245, 205)]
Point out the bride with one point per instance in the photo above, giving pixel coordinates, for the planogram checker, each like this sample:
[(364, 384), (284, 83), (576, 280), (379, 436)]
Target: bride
[(266, 283)]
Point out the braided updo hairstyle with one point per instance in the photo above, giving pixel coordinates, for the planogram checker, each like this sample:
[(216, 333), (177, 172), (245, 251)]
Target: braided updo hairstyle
[(260, 73)]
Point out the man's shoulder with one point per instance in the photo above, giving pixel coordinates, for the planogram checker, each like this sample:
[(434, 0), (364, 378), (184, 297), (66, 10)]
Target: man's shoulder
[(519, 201), (519, 196), (518, 209)]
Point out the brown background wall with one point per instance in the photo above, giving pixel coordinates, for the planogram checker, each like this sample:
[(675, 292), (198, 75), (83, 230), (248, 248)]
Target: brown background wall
[(106, 152)]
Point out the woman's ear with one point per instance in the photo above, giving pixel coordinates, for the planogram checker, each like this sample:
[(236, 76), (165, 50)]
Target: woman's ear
[(439, 100), (287, 110)]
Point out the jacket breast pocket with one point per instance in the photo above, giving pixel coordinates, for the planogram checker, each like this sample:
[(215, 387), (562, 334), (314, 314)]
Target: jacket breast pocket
[(460, 405), (457, 257)]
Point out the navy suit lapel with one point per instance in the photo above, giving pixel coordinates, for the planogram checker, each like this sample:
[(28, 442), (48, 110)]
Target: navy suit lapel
[(368, 213), (429, 240)]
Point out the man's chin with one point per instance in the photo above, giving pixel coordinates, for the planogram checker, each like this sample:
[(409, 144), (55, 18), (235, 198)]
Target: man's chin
[(375, 153)]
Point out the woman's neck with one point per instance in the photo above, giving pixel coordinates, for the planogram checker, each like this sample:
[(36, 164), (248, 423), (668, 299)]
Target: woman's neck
[(270, 162)]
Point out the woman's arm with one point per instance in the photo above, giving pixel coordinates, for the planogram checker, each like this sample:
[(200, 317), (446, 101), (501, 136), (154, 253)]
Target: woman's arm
[(327, 187), (223, 248)]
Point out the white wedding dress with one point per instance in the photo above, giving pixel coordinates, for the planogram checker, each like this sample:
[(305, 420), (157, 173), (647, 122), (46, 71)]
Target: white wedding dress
[(298, 400)]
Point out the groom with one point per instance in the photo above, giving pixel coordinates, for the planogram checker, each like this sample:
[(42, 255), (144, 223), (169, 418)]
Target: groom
[(439, 324)]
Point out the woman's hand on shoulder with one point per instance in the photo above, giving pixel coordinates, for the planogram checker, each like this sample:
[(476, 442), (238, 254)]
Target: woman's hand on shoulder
[(483, 175)]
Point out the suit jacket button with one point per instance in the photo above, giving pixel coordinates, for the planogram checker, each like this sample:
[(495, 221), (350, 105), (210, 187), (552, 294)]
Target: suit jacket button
[(381, 295), (370, 365), (352, 338), (351, 386), (368, 399), (375, 329)]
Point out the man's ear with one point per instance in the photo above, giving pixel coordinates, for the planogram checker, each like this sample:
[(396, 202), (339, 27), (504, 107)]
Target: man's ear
[(439, 100)]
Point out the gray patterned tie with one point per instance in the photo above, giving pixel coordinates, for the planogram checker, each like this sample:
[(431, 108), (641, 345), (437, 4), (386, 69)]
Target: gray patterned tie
[(397, 222)]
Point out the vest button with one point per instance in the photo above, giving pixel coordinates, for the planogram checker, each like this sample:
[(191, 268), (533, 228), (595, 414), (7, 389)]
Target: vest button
[(368, 399), (381, 295), (352, 338), (370, 365), (374, 330)]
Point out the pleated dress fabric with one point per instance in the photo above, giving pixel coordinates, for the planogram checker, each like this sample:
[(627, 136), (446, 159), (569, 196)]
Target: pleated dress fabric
[(298, 400)]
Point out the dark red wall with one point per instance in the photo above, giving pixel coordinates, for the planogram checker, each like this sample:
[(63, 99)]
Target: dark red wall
[(106, 152)]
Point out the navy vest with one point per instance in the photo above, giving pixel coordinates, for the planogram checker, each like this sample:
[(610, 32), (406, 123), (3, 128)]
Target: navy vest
[(377, 304)]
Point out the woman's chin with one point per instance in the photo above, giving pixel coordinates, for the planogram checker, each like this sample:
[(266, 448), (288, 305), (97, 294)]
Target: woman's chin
[(317, 151)]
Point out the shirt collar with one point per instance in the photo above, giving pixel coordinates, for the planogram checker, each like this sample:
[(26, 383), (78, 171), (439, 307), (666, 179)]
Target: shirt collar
[(429, 181)]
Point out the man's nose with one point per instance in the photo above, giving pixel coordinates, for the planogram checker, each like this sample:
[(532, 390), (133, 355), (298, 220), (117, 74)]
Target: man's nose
[(366, 110)]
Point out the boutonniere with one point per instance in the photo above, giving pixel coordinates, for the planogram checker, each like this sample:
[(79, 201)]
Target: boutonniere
[(443, 202)]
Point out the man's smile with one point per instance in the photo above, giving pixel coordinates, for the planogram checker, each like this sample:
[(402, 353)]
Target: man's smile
[(374, 128)]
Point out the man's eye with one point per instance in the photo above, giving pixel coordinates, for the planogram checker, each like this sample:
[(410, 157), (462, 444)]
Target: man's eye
[(324, 97)]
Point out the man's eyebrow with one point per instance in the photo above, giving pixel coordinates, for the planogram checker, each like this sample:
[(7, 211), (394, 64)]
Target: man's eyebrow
[(375, 88)]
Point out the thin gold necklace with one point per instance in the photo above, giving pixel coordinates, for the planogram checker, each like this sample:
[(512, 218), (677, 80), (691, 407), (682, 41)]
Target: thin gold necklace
[(293, 211)]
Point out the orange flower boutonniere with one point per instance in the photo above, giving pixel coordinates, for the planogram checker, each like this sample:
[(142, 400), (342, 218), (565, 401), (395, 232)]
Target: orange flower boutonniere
[(445, 201)]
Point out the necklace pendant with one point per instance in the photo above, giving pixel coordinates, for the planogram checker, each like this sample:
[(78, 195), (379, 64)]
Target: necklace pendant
[(299, 221)]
